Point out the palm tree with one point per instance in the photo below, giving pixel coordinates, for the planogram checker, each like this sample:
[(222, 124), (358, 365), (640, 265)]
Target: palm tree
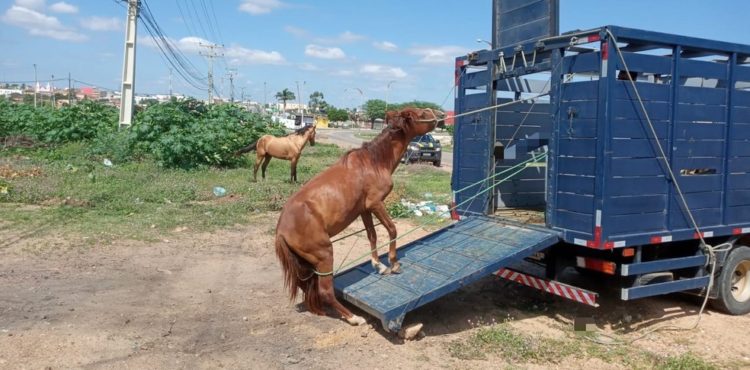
[(284, 96)]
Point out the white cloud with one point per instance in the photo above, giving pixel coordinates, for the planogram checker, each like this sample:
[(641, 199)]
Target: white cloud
[(242, 55), (39, 24), (343, 73), (317, 51), (31, 4), (345, 37), (438, 54), (257, 7), (102, 23), (385, 46), (382, 71), (63, 7)]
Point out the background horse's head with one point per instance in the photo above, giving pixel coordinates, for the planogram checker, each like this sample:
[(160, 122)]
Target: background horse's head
[(311, 135), (415, 121)]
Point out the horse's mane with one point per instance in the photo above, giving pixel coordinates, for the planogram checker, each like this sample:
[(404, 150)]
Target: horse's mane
[(301, 131), (379, 148)]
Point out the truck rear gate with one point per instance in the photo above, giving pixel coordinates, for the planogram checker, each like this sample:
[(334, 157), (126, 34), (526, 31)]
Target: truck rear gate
[(440, 263)]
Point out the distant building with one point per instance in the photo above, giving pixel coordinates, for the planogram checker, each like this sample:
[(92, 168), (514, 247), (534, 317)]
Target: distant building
[(9, 92)]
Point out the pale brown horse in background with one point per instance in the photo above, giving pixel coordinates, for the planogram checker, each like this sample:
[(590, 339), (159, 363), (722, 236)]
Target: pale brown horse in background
[(287, 147), (355, 186)]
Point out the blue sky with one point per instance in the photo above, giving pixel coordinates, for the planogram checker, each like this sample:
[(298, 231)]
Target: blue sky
[(335, 46)]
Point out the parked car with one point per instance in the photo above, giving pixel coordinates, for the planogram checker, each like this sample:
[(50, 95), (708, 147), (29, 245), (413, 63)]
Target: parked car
[(423, 148)]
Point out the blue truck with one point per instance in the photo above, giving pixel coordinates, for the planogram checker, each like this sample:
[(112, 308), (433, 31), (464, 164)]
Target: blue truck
[(633, 155)]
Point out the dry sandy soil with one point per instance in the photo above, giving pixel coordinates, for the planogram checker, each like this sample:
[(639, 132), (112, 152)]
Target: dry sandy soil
[(215, 300)]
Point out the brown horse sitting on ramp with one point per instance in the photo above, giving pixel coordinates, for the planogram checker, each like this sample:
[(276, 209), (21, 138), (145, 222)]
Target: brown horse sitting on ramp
[(355, 186), (287, 147)]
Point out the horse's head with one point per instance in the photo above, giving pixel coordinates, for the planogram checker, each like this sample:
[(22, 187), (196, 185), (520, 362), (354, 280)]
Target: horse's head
[(415, 121), (311, 135)]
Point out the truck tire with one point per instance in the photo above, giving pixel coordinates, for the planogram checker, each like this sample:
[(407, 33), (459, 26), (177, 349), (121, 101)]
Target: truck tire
[(734, 283), (437, 163)]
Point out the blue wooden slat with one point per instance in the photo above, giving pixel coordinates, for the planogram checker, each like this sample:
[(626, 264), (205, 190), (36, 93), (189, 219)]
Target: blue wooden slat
[(741, 98), (635, 223), (577, 91), (576, 202), (738, 198), (704, 217), (699, 68), (475, 79), (636, 167), (583, 110), (737, 215), (638, 129), (742, 73), (648, 91), (580, 222), (645, 63), (578, 128), (631, 110), (633, 204), (588, 62), (664, 288), (636, 148), (695, 112), (577, 147), (691, 163), (738, 180), (576, 166), (739, 164), (474, 102), (667, 264), (577, 184), (699, 131), (699, 148), (540, 107), (741, 115), (533, 119), (700, 183), (702, 95), (645, 185), (711, 199)]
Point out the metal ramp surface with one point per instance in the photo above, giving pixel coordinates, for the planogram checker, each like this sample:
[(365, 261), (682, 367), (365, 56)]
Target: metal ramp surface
[(440, 263)]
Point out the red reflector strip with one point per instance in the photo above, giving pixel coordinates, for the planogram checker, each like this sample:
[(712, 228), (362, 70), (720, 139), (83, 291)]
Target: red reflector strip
[(595, 264), (553, 287), (662, 239), (593, 38), (706, 234), (605, 51), (741, 230)]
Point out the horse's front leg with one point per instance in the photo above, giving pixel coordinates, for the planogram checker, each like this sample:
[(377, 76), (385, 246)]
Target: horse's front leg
[(372, 236), (382, 215), (294, 169)]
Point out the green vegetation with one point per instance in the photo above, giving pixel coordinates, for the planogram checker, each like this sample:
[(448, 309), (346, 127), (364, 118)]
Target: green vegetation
[(184, 134), (516, 347)]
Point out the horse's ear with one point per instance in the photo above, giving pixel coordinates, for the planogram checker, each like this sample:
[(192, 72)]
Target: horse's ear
[(390, 116)]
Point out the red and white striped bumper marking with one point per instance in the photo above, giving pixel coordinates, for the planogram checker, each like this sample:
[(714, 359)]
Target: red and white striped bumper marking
[(661, 239), (553, 287), (741, 230)]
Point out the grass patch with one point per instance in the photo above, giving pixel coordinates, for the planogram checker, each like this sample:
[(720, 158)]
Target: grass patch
[(516, 348), (70, 192), (366, 135)]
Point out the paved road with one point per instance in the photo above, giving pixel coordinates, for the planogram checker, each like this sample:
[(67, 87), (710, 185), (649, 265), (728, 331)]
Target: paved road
[(347, 138)]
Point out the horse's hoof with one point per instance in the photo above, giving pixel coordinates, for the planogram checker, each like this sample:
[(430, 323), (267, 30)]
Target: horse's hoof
[(356, 320), (380, 268), (395, 268)]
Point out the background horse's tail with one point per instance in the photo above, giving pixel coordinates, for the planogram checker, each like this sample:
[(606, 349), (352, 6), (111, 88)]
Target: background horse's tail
[(299, 274), (249, 148)]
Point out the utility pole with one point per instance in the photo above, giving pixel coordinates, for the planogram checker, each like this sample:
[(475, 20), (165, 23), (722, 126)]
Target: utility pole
[(265, 97), (127, 95), (243, 94), (299, 101), (52, 89), (231, 73), (387, 89), (210, 54), (170, 83), (70, 91), (36, 85)]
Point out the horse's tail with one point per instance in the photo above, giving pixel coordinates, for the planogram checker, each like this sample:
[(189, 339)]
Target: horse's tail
[(299, 274), (249, 148)]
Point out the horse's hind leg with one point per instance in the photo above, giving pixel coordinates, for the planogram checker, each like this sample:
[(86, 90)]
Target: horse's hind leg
[(382, 215), (294, 170), (258, 159), (372, 236), (265, 164), (325, 286)]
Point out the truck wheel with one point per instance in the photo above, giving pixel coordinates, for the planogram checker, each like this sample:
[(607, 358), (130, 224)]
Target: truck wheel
[(437, 163), (734, 283)]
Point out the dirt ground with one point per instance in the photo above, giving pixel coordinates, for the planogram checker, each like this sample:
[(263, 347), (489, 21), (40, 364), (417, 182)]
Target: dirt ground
[(215, 300)]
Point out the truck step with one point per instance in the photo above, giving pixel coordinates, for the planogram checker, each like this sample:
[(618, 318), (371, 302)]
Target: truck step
[(627, 294), (662, 265)]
